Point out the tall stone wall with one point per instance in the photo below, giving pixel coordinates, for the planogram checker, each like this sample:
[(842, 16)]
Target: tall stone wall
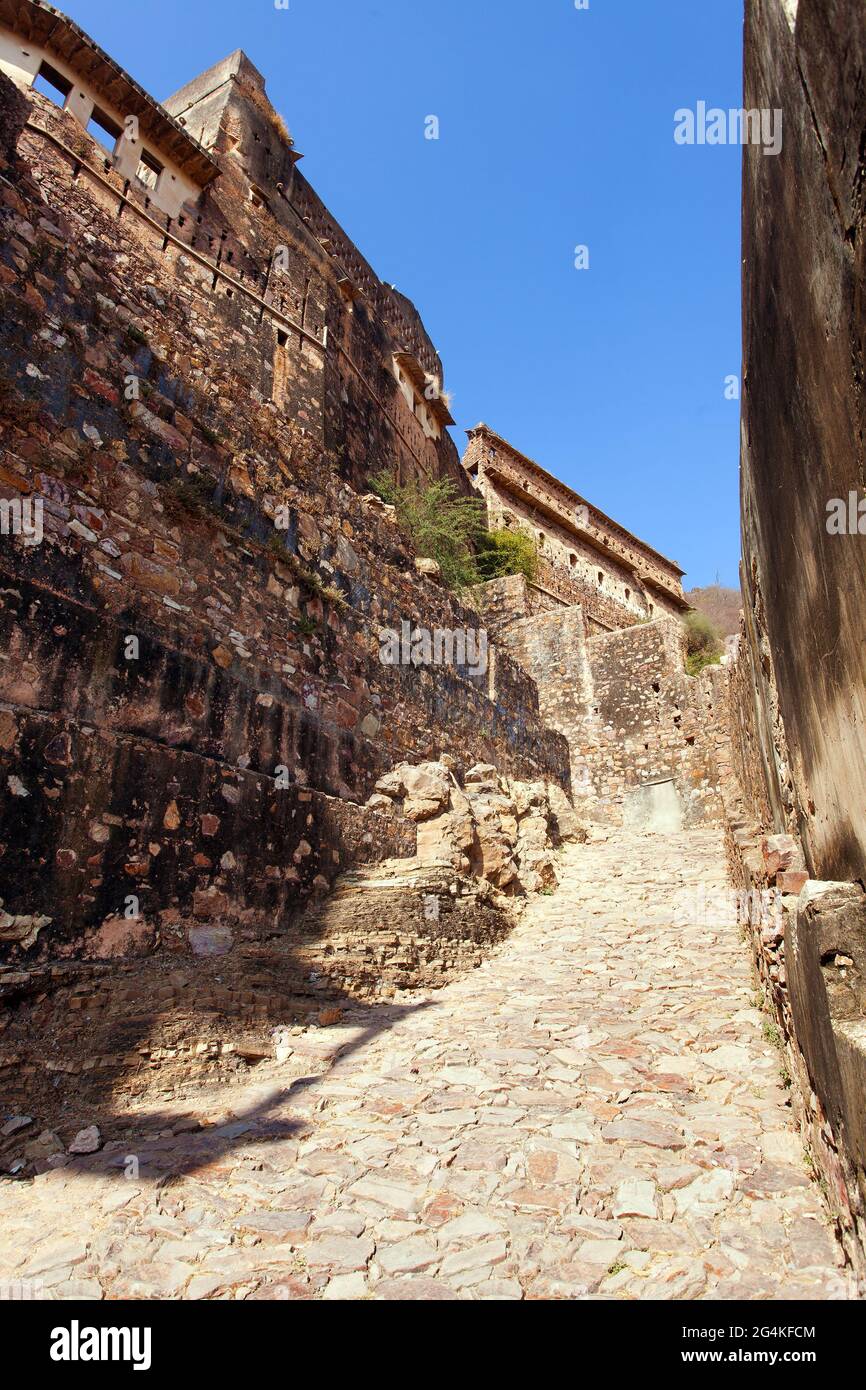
[(797, 693), (501, 602), (312, 324), (504, 601), (262, 201), (185, 687), (552, 647), (803, 416), (650, 725), (633, 718)]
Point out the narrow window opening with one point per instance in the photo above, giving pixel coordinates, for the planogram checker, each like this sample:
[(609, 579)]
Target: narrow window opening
[(280, 388), (103, 129), (52, 84), (149, 169)]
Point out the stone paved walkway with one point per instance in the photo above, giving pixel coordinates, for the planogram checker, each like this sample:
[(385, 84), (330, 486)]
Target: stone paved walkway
[(594, 1112)]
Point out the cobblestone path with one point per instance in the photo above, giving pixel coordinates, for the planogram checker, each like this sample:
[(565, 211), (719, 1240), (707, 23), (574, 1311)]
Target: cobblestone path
[(594, 1112)]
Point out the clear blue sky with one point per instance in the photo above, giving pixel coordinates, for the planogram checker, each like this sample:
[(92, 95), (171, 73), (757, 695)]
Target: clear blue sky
[(556, 129)]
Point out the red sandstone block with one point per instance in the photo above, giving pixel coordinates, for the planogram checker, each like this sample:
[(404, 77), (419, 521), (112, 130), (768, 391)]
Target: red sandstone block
[(10, 198), (206, 904), (11, 479), (101, 387), (792, 880), (781, 852), (34, 298)]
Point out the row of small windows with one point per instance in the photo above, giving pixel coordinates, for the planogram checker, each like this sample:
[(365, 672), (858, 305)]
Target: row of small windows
[(572, 559), (107, 132)]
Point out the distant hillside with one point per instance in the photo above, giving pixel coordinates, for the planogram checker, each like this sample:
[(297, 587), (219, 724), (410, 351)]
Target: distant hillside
[(721, 606)]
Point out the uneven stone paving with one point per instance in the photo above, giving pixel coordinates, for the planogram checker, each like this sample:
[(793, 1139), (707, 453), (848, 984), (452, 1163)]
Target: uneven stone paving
[(594, 1112)]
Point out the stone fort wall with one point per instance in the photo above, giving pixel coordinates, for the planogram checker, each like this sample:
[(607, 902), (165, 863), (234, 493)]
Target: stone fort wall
[(168, 652), (797, 691), (583, 556), (632, 716)]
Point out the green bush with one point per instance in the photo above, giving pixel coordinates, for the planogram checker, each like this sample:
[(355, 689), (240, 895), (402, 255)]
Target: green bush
[(447, 527), (704, 646), (505, 552), (441, 524)]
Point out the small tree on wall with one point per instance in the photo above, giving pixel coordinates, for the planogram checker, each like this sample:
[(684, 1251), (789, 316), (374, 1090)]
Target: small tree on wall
[(441, 524), (449, 528), (505, 552)]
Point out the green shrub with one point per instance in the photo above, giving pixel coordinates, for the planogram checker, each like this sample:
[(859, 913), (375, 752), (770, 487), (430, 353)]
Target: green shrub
[(334, 594), (441, 524), (505, 552), (704, 646)]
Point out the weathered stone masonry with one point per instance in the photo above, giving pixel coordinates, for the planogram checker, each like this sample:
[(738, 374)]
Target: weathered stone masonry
[(640, 731), (597, 627), (194, 718), (193, 712), (241, 655), (192, 707), (270, 370), (583, 556), (797, 692)]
